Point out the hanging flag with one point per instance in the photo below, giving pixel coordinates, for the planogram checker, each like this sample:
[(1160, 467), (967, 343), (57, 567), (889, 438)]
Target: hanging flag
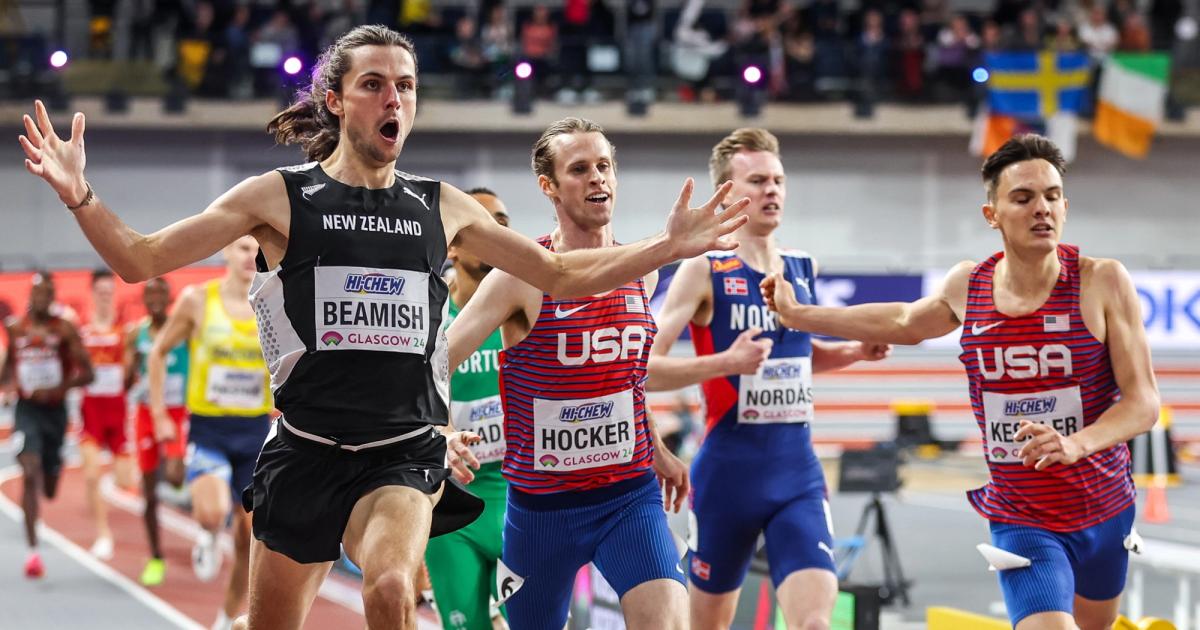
[(1133, 91), (1031, 93)]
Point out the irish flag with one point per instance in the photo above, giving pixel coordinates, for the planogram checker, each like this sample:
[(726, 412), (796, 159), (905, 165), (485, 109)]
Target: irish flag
[(1133, 90)]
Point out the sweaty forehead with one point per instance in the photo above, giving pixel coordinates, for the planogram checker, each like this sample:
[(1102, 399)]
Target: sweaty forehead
[(1030, 174), (745, 163)]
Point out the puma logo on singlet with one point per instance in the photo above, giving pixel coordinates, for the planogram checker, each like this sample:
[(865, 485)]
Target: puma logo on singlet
[(420, 198), (308, 191), (804, 283)]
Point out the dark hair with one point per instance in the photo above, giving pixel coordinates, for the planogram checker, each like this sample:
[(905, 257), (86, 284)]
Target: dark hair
[(100, 273), (482, 190), (308, 121), (159, 280), (1029, 146)]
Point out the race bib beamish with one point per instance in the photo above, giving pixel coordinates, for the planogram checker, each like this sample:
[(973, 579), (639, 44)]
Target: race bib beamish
[(780, 392), (360, 308), (485, 417), (583, 433), (1059, 408), (235, 388)]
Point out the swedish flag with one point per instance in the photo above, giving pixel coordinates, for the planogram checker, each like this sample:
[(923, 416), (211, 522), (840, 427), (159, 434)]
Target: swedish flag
[(1036, 84)]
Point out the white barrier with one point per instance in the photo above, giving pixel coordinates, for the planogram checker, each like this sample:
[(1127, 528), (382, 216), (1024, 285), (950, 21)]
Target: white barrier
[(1180, 560)]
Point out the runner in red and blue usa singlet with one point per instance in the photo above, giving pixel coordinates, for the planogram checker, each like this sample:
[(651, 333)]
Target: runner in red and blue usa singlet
[(1071, 522), (579, 456), (756, 472), (1044, 367), (575, 408)]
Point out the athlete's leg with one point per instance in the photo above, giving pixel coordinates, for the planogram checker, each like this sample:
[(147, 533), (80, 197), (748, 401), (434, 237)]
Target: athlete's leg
[(800, 553), (150, 514), (460, 576), (639, 559), (1039, 596), (727, 526), (807, 597), (281, 590), (31, 471), (1093, 614), (90, 450), (712, 611), (386, 538), (210, 501), (239, 574), (125, 471), (661, 603)]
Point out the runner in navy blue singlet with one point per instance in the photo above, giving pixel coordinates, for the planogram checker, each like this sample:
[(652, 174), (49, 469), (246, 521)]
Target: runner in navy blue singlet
[(756, 472)]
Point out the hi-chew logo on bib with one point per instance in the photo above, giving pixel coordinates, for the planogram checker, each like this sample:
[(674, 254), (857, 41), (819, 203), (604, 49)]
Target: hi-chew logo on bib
[(360, 308), (1062, 409), (580, 434), (781, 391), (485, 417)]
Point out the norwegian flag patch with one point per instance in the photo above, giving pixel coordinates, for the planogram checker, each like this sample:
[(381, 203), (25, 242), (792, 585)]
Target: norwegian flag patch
[(736, 286)]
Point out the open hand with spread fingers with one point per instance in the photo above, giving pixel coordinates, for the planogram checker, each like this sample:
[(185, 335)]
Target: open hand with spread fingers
[(459, 458), (694, 231), (58, 162), (1045, 446)]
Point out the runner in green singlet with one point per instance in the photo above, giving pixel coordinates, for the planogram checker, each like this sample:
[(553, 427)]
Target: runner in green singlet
[(462, 564)]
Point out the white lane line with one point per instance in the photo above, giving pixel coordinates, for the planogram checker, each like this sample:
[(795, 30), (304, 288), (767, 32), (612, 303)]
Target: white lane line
[(78, 554)]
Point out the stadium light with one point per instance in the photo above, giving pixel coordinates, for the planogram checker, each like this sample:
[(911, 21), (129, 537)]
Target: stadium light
[(522, 102), (293, 65), (980, 75), (58, 59), (750, 93)]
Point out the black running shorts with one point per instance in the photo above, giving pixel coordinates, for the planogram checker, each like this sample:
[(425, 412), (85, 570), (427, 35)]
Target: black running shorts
[(303, 491)]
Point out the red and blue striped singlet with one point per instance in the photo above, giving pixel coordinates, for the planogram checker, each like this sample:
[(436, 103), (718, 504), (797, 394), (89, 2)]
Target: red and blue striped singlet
[(1045, 367), (574, 403)]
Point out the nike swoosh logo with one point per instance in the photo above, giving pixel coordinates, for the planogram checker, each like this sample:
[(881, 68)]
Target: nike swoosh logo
[(559, 313), (976, 329)]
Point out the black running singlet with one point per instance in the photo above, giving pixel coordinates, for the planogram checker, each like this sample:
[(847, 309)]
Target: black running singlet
[(351, 321)]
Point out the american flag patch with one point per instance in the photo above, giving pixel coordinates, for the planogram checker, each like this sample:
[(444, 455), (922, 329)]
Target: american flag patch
[(736, 286), (1056, 323), (634, 304)]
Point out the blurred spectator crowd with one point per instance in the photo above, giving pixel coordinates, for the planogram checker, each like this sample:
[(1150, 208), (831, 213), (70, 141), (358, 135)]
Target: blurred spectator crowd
[(590, 50)]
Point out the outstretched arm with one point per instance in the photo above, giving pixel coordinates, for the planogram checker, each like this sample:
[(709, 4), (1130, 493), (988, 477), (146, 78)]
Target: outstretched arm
[(132, 255), (690, 231), (829, 356), (905, 323)]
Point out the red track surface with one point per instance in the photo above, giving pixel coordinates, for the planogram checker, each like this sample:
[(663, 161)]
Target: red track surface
[(68, 514)]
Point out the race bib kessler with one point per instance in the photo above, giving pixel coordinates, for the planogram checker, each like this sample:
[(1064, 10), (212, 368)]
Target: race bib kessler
[(781, 391), (1059, 408), (234, 388), (485, 417), (583, 433), (360, 308)]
